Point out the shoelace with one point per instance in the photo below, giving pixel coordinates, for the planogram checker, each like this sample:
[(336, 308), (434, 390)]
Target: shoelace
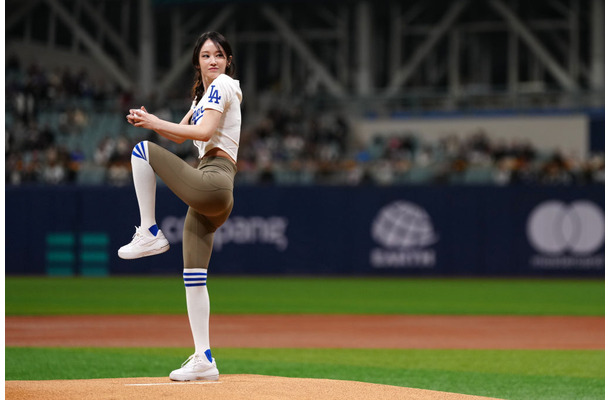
[(136, 236), (192, 357)]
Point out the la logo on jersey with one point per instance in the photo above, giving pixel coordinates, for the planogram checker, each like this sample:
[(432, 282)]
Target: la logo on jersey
[(214, 96)]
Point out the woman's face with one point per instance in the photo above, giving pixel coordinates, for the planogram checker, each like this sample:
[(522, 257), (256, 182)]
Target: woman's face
[(212, 61)]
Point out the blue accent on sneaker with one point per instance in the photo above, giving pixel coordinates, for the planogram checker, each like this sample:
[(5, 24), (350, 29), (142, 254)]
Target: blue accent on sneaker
[(140, 151), (154, 229), (208, 354)]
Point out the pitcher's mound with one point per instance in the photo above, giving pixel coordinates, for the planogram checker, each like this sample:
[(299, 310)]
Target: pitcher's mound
[(229, 387)]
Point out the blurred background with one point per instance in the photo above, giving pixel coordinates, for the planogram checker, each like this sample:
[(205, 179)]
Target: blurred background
[(416, 137)]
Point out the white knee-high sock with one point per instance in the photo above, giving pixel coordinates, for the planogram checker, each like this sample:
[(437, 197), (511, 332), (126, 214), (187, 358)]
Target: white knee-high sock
[(145, 183), (198, 306)]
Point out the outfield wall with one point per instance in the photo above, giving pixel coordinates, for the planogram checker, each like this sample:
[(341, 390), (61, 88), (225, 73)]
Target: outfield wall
[(446, 231)]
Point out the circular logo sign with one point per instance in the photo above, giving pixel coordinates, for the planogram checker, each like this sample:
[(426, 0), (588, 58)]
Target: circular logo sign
[(554, 227), (401, 225)]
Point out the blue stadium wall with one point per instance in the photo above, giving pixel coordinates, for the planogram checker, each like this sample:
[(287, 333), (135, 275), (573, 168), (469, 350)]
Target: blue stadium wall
[(448, 231)]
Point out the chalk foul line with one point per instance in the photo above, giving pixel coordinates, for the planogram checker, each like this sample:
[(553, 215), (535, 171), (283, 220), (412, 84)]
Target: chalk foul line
[(173, 383)]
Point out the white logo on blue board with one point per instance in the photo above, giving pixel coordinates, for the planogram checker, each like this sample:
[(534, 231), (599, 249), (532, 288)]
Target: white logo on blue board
[(554, 227), (404, 230), (403, 225), (566, 236)]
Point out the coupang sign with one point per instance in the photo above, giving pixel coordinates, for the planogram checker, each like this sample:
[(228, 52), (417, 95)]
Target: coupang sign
[(237, 230)]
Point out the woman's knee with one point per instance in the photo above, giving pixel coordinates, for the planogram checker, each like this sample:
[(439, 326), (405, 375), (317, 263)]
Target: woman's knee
[(149, 152), (141, 151)]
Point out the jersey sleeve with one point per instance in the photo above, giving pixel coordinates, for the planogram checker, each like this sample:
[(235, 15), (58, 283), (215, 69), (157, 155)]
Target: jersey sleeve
[(218, 94)]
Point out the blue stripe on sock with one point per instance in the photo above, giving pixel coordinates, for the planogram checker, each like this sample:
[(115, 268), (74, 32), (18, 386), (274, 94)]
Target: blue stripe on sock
[(194, 278), (143, 150), (140, 151), (194, 284), (208, 354)]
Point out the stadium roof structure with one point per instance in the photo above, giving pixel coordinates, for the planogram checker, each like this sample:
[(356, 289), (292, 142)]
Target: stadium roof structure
[(452, 53)]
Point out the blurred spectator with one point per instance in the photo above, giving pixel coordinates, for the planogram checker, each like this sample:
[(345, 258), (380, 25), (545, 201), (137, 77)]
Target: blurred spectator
[(119, 164), (54, 168), (104, 150), (72, 120), (289, 145), (75, 160), (556, 171)]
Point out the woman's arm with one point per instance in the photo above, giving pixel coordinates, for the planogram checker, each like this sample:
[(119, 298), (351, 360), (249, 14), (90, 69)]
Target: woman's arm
[(185, 121), (177, 132), (173, 138)]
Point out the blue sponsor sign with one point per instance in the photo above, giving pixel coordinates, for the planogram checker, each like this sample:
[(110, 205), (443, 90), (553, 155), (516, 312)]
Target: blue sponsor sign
[(478, 231)]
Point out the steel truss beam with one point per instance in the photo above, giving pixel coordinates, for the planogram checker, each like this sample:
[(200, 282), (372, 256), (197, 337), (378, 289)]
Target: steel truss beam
[(405, 72), (564, 79), (299, 46), (128, 56), (353, 55), (97, 52)]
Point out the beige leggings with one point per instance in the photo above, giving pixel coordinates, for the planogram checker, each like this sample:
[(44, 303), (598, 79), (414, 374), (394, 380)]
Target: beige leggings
[(207, 190)]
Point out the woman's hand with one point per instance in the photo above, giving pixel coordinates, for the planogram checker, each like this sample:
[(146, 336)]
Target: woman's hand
[(142, 119), (177, 132)]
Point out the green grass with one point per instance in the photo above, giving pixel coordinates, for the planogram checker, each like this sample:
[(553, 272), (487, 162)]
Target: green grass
[(507, 374), (300, 295)]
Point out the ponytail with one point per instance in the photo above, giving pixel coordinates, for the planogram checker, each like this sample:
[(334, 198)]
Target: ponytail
[(197, 89)]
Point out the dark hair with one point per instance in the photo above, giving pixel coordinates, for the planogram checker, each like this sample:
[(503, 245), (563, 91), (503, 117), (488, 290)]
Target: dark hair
[(221, 44)]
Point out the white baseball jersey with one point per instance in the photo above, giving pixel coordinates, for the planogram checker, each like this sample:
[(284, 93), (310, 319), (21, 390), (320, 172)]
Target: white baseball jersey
[(224, 95)]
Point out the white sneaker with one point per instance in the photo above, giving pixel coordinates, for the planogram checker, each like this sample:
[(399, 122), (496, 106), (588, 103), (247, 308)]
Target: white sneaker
[(196, 367), (144, 244)]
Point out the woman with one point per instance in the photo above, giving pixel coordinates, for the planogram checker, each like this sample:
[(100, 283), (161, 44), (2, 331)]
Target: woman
[(214, 124)]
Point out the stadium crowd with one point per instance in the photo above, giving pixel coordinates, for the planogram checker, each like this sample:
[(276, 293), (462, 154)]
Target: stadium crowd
[(288, 146)]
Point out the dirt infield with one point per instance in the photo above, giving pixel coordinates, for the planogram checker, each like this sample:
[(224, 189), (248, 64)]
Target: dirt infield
[(229, 387), (321, 331)]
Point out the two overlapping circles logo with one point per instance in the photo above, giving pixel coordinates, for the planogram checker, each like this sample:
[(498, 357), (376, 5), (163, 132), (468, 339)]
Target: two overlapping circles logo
[(402, 224), (555, 228)]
